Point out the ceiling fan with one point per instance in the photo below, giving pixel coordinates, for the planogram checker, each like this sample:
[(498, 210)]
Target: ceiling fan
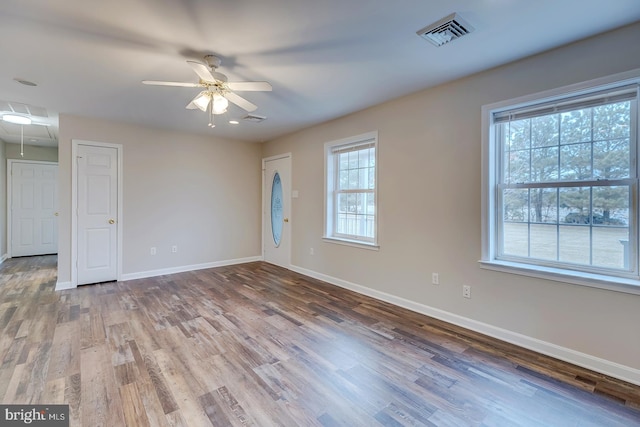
[(217, 91)]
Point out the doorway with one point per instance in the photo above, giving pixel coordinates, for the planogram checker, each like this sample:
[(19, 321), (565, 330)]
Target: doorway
[(32, 208), (97, 207), (276, 210)]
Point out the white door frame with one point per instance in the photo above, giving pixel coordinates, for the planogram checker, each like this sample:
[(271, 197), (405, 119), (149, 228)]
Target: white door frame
[(10, 163), (74, 206), (264, 192)]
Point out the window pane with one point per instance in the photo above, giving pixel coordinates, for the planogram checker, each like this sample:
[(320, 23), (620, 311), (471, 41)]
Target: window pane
[(343, 161), (575, 126), (363, 158), (612, 121), (353, 159), (517, 166), (544, 241), (353, 178), (611, 159), (518, 135), (575, 161), (515, 239), (544, 131), (575, 244), (515, 204), (544, 164), (575, 204), (609, 246), (344, 180), (611, 206), (372, 178), (363, 179), (543, 205)]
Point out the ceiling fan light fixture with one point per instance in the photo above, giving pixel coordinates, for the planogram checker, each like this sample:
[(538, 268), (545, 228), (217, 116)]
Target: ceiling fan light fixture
[(202, 100), (16, 119), (220, 104)]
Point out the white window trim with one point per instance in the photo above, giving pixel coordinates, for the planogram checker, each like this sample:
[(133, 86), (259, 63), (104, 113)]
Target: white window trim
[(489, 203), (328, 201)]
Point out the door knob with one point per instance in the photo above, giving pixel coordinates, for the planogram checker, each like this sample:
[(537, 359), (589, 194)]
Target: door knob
[(286, 220), (112, 221), (56, 214)]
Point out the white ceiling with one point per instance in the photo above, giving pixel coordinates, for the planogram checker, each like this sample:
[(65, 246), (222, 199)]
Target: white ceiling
[(324, 58)]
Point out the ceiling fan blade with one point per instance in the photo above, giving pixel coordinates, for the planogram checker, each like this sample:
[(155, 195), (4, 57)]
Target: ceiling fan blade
[(250, 86), (201, 101), (179, 84), (240, 101), (202, 71)]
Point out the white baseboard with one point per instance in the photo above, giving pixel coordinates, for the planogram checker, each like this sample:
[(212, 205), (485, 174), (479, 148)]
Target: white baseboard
[(184, 268), (61, 286), (3, 258), (584, 360)]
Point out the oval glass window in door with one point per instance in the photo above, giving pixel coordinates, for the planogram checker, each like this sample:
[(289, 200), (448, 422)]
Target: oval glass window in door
[(276, 209)]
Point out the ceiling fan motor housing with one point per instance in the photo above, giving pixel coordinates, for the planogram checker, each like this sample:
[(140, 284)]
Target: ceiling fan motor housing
[(213, 61)]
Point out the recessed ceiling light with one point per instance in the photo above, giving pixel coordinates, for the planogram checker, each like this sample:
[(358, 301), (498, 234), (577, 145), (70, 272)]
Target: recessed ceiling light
[(25, 82), (15, 118)]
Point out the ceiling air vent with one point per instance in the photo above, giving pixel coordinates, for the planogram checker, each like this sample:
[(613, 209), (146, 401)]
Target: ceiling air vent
[(253, 118), (449, 28)]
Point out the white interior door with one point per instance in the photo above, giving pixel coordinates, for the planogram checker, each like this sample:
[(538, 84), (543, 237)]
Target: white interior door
[(97, 221), (276, 222), (33, 208)]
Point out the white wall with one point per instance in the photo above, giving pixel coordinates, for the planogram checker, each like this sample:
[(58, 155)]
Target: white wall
[(199, 193), (430, 209)]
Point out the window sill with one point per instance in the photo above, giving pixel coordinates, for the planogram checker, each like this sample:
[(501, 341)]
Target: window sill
[(611, 283), (353, 243)]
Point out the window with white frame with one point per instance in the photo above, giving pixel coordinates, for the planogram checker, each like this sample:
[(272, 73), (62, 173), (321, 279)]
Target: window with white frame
[(350, 177), (561, 182)]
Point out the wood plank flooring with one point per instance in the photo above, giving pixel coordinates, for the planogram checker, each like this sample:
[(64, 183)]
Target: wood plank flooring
[(258, 345)]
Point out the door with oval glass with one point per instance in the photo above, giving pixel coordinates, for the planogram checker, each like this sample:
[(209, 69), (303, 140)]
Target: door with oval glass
[(276, 228)]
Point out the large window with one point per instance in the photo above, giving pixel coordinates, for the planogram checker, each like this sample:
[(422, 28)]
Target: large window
[(563, 182), (351, 189)]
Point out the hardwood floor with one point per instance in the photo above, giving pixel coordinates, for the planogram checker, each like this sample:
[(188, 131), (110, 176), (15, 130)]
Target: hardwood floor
[(258, 345)]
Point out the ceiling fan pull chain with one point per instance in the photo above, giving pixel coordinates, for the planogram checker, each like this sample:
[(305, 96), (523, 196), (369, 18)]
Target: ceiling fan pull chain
[(21, 140)]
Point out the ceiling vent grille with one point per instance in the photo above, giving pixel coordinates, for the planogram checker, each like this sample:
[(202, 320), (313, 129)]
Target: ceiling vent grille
[(253, 118), (445, 30)]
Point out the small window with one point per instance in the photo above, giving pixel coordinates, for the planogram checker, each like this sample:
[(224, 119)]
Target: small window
[(563, 186), (350, 176)]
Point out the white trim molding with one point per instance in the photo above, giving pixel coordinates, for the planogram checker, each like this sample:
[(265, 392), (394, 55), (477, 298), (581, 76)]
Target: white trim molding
[(185, 268), (603, 366), (62, 286)]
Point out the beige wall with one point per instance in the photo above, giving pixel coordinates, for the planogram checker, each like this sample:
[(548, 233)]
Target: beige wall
[(32, 152), (199, 193), (430, 207), (3, 200)]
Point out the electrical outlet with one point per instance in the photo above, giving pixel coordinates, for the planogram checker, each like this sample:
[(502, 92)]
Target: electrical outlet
[(153, 250), (435, 278), (311, 251), (466, 291), (174, 248)]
